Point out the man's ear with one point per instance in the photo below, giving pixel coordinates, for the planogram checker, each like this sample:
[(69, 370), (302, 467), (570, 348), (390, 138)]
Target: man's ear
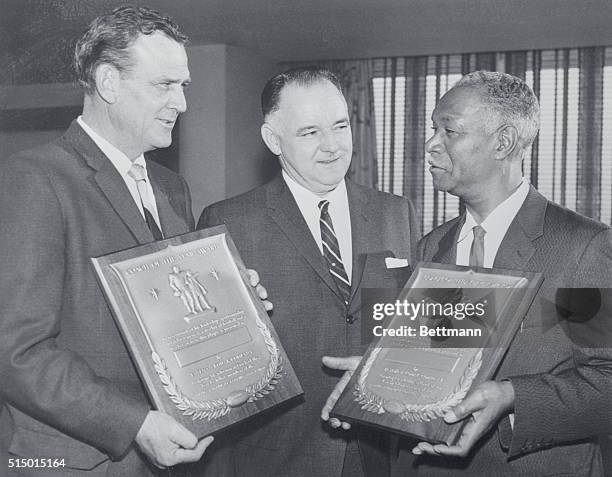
[(507, 142), (271, 139), (107, 82)]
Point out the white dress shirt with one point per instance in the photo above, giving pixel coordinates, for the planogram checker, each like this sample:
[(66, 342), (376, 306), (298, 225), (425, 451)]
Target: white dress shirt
[(308, 203), (123, 164), (496, 225)]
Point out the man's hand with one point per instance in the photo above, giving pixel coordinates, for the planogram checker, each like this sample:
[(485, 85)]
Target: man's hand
[(484, 406), (344, 364), (167, 443), (261, 291)]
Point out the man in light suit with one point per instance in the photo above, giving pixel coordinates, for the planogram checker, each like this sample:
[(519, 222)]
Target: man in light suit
[(551, 397), (316, 239), (70, 388)]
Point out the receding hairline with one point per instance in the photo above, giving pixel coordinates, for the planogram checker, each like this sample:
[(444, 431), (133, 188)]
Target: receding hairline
[(303, 85)]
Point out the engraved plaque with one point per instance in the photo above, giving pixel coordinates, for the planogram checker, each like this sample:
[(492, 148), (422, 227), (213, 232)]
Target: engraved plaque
[(423, 363), (197, 332)]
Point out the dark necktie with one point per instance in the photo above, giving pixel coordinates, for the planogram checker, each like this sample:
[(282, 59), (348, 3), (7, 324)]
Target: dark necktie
[(331, 252), (138, 173), (477, 250)]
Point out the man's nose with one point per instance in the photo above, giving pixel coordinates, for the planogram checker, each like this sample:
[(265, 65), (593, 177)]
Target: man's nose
[(433, 143), (329, 142), (177, 99)]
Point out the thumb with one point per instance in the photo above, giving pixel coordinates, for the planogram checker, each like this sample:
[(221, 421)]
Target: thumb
[(182, 436), (459, 412), (344, 364)]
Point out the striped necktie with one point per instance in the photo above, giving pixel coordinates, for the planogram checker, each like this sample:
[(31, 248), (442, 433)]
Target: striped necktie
[(138, 173), (331, 252)]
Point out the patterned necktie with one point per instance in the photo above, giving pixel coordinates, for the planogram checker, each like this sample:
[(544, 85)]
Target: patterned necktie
[(138, 173), (477, 250), (331, 252)]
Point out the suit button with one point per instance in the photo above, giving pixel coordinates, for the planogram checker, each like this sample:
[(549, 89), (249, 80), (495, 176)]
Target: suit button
[(350, 319)]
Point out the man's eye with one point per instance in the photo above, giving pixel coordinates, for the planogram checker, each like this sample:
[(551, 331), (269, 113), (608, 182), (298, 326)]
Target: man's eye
[(309, 133), (450, 132), (164, 85)]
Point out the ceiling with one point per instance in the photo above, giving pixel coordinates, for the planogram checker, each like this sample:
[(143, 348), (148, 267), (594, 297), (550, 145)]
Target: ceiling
[(36, 36)]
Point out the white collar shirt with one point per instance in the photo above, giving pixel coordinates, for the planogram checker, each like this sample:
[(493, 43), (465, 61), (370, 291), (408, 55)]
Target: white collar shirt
[(308, 203), (496, 225)]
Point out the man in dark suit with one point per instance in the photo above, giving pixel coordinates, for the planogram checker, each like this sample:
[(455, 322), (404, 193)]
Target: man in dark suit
[(551, 396), (70, 388), (316, 239)]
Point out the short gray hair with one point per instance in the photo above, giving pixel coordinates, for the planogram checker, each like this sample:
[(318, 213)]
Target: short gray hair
[(511, 100)]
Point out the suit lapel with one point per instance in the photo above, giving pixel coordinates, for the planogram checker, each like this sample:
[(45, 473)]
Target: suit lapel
[(517, 248), (447, 246), (108, 180), (360, 233), (285, 212)]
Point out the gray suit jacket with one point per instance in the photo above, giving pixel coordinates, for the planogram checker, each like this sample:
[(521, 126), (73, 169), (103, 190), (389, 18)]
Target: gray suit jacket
[(70, 388), (561, 375), (310, 316)]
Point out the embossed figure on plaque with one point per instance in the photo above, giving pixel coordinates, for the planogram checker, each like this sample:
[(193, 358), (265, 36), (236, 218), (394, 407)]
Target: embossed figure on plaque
[(192, 293)]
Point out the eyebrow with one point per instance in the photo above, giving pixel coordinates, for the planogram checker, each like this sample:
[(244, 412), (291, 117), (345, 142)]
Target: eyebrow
[(304, 129), (169, 79)]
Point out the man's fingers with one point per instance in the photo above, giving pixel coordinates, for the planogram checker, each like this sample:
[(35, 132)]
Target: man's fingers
[(335, 422), (423, 448), (343, 364), (261, 292), (195, 454), (472, 403), (253, 277)]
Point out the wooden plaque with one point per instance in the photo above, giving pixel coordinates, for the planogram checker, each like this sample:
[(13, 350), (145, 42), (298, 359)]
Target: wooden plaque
[(406, 383), (198, 333)]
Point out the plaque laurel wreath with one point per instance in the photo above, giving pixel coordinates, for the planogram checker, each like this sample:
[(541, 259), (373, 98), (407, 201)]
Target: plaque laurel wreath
[(216, 408), (372, 402)]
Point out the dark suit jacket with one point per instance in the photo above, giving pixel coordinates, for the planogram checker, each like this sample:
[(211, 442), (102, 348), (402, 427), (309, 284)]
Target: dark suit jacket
[(562, 377), (70, 387), (309, 314)]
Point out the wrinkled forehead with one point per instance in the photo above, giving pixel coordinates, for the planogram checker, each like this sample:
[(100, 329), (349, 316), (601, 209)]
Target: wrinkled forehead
[(316, 93)]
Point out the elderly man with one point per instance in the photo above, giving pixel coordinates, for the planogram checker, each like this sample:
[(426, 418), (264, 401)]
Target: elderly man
[(73, 397), (316, 239), (551, 396)]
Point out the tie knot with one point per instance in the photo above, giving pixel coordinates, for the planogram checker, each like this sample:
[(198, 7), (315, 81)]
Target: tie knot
[(323, 205), (137, 172), (479, 232)]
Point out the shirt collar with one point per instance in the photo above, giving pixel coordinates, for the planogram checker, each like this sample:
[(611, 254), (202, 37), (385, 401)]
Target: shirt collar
[(121, 162), (303, 195), (500, 218)]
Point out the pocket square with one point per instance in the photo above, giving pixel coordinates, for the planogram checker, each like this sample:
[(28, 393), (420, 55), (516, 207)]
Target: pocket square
[(392, 262)]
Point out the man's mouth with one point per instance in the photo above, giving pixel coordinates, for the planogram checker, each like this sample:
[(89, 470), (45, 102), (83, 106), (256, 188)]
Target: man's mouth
[(329, 160), (167, 122)]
